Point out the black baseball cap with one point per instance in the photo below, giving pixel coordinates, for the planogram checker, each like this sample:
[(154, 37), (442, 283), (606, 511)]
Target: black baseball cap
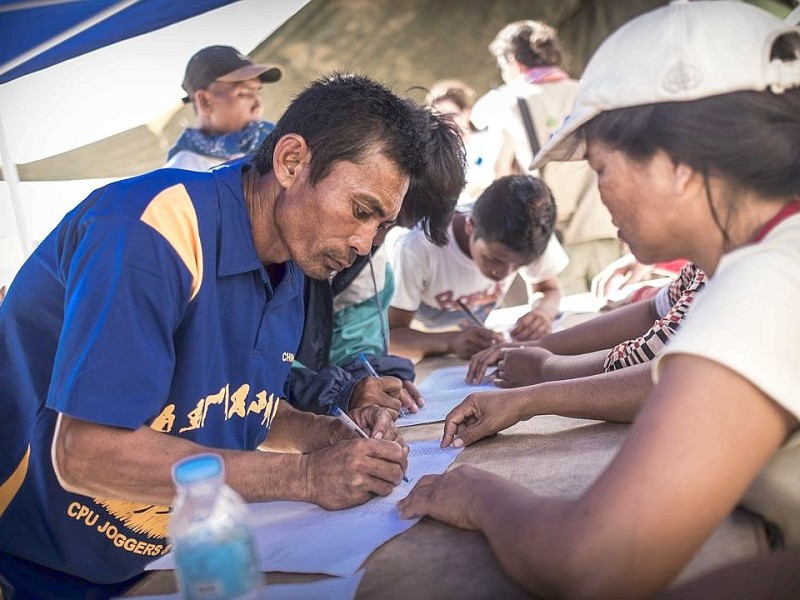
[(226, 64)]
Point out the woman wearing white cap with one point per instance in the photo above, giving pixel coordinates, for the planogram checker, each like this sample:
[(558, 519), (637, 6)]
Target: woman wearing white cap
[(690, 115)]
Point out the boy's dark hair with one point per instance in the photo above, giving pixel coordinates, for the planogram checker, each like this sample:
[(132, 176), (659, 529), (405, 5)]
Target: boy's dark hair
[(433, 192), (517, 211), (344, 117)]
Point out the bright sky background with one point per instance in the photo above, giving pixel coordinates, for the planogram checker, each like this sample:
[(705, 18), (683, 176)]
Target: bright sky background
[(105, 92)]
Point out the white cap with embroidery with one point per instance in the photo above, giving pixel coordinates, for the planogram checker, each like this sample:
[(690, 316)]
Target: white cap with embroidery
[(683, 51)]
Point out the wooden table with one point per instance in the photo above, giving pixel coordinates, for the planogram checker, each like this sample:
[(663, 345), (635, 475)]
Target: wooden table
[(551, 455)]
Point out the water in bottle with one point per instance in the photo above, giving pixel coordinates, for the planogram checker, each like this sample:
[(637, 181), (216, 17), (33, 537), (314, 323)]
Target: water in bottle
[(213, 545)]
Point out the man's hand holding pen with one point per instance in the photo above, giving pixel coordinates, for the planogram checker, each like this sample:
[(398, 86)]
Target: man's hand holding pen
[(398, 397), (355, 469)]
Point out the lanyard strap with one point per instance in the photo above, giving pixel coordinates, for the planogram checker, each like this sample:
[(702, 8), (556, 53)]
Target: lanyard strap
[(787, 211)]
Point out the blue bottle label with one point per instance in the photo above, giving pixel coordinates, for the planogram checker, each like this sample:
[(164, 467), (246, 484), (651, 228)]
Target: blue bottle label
[(212, 569)]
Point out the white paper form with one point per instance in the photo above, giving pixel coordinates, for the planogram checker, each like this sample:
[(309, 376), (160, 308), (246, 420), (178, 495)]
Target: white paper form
[(442, 390), (299, 537), (330, 588)]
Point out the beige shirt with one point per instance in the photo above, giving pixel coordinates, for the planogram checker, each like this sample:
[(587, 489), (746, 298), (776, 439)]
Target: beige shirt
[(581, 214)]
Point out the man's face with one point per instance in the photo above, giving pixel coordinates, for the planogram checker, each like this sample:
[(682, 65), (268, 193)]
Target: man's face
[(231, 106), (326, 226), (495, 260)]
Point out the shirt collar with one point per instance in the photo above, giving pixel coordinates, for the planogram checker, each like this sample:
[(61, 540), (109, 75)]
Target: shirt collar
[(237, 251)]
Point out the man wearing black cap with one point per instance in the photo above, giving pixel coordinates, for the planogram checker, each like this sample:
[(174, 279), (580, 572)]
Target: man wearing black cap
[(225, 87)]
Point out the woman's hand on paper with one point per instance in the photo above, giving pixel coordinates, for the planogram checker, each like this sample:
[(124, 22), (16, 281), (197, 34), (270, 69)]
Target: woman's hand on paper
[(479, 415), (522, 366), (453, 497), (481, 362)]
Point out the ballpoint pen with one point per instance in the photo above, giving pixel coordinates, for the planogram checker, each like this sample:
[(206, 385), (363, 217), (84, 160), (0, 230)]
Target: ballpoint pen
[(352, 426), (468, 311), (373, 373)]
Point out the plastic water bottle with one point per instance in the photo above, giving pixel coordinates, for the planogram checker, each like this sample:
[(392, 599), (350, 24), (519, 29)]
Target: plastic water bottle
[(214, 551)]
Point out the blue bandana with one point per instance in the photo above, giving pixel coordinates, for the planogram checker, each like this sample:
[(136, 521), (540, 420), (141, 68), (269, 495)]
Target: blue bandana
[(225, 146)]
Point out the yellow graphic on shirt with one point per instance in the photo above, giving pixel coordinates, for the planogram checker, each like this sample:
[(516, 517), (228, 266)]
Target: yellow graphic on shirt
[(141, 518), (151, 520), (172, 214)]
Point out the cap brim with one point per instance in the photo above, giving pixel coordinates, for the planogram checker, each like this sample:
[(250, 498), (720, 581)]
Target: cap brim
[(266, 73), (566, 143)]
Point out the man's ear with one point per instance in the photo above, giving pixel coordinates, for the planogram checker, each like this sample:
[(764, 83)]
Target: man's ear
[(202, 101), (290, 157), (469, 226)]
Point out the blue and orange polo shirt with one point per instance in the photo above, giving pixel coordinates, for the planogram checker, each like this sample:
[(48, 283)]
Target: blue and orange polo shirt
[(146, 306)]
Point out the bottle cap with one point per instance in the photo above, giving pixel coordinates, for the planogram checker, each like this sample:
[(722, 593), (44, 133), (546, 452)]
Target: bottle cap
[(197, 468)]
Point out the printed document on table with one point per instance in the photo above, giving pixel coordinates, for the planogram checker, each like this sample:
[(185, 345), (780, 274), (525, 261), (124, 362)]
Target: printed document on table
[(300, 537), (329, 588), (442, 390)]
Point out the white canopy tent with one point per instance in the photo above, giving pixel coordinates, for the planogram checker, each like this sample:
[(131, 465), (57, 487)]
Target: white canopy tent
[(98, 94)]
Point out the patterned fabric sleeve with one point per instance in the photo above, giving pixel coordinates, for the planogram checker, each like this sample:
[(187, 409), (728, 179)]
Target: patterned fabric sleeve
[(682, 292)]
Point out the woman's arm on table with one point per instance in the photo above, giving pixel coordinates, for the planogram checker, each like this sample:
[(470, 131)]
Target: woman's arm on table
[(600, 333), (615, 396), (529, 366), (648, 513)]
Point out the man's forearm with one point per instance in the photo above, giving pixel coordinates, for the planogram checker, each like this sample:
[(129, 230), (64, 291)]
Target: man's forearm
[(140, 470), (295, 430), (415, 344)]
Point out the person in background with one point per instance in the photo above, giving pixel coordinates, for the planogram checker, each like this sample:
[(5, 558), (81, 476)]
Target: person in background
[(653, 132), (161, 318), (347, 316), (509, 231), (224, 86), (454, 99), (523, 113), (610, 283)]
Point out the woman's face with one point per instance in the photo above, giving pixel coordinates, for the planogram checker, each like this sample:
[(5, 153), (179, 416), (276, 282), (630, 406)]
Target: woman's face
[(641, 199)]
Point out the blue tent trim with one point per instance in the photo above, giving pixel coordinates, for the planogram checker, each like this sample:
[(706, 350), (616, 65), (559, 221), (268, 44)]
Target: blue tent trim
[(26, 25)]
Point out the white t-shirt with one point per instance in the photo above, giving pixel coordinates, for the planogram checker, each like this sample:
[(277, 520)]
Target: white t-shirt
[(747, 319), (481, 151), (430, 280)]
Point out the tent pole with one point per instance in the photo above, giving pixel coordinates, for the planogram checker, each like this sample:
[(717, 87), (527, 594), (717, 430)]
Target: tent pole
[(11, 176)]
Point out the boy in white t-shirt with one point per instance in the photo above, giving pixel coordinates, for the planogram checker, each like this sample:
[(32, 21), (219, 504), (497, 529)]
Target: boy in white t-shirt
[(509, 231)]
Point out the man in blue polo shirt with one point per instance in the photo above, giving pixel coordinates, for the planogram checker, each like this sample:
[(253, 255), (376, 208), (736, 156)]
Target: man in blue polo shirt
[(160, 319)]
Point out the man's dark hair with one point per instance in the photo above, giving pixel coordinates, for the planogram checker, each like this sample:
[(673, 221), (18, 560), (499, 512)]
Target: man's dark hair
[(434, 190), (342, 117), (517, 211)]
